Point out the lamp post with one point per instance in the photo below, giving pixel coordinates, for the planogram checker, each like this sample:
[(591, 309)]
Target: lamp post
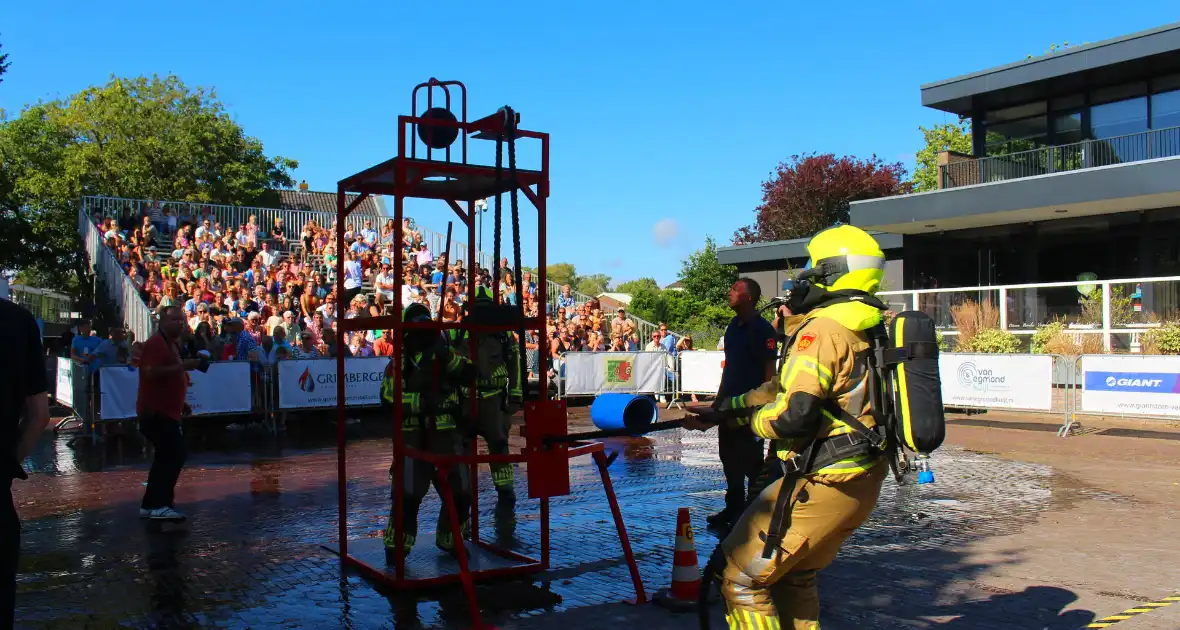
[(481, 206)]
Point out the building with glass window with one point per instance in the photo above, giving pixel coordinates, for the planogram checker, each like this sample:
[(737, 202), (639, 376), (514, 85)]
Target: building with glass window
[(1074, 169)]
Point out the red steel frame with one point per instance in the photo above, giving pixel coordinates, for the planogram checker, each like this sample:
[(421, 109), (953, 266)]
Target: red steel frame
[(465, 183)]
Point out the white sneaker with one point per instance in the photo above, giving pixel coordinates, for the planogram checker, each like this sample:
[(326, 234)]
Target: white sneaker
[(166, 514), (235, 427)]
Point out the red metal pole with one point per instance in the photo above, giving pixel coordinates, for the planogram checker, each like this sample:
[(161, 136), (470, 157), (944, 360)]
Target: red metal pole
[(600, 459), (399, 473), (474, 397), (542, 285), (460, 549), (545, 532), (341, 468)]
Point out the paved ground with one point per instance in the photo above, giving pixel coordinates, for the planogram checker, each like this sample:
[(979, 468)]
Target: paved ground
[(995, 543)]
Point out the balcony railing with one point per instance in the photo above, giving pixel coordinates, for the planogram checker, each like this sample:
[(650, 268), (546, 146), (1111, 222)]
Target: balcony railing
[(1136, 147)]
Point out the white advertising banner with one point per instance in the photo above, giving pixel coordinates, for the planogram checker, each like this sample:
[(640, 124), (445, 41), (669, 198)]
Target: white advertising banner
[(700, 371), (312, 382), (1129, 384), (592, 373), (64, 390), (225, 388), (997, 381)]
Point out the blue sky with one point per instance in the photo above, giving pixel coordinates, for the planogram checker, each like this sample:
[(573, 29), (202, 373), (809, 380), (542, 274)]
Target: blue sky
[(665, 118)]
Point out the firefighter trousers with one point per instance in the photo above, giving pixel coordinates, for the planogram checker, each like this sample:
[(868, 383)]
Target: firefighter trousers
[(493, 426), (779, 592), (419, 476)]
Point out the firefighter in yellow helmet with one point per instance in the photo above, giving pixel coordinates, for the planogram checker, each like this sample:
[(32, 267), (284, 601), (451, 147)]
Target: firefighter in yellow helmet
[(431, 377), (498, 389), (831, 451)]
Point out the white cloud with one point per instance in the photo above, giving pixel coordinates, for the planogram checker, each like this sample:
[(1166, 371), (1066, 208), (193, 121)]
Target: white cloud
[(665, 231)]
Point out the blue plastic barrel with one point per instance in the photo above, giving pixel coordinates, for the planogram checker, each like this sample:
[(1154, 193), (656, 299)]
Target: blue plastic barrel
[(611, 412)]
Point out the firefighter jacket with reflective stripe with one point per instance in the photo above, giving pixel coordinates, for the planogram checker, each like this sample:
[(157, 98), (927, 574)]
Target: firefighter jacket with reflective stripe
[(828, 360), (501, 375), (420, 383)]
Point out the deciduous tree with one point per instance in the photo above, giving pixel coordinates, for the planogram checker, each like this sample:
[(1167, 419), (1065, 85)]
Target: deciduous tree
[(945, 137), (808, 193), (562, 273), (705, 278), (631, 287), (593, 284), (144, 137)]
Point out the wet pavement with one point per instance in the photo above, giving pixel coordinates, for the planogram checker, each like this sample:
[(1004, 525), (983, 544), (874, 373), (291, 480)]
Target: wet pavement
[(261, 510)]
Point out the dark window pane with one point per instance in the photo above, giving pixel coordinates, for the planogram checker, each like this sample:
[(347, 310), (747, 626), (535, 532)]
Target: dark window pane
[(1165, 122), (1015, 113), (1118, 93), (1067, 128), (1166, 84), (1017, 136), (1114, 124), (1073, 101)]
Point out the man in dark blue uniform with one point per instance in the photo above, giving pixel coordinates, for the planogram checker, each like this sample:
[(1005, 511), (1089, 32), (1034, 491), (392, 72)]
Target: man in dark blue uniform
[(750, 351)]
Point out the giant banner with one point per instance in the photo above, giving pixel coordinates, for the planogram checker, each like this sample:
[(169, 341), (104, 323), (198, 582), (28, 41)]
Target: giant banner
[(224, 389), (997, 381), (592, 373), (64, 390), (700, 371), (312, 382), (1129, 384)]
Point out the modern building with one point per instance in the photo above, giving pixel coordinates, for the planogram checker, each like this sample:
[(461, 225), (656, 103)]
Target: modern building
[(1075, 168)]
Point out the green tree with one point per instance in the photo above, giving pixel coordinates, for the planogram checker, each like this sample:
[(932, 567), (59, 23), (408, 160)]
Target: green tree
[(562, 273), (706, 279), (143, 137), (3, 64), (593, 284), (944, 137), (632, 287)]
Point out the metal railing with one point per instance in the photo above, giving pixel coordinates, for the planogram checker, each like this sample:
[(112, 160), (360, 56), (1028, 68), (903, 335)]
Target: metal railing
[(1119, 311), (48, 306), (1136, 147), (119, 288)]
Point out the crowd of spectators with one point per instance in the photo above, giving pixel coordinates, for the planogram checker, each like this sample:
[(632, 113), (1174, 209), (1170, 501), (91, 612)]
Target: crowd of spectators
[(270, 294)]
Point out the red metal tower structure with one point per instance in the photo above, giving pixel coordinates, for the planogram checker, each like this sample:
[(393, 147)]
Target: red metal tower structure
[(460, 184)]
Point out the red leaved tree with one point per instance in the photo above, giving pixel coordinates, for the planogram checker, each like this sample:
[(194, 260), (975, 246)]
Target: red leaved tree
[(808, 193)]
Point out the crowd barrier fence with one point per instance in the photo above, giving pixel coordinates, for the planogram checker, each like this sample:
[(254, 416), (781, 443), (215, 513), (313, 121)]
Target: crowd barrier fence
[(1128, 386)]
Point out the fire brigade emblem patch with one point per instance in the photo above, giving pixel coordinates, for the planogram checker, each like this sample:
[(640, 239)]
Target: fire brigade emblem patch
[(805, 341)]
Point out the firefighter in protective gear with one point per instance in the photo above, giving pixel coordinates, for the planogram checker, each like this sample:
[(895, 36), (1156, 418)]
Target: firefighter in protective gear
[(498, 389), (832, 471), (431, 377)]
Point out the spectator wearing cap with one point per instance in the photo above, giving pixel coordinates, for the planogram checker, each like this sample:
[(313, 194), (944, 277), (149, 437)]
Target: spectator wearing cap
[(306, 348)]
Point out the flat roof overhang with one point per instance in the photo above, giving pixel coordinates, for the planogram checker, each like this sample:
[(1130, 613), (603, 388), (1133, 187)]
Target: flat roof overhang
[(793, 249), (1122, 59), (1096, 191)]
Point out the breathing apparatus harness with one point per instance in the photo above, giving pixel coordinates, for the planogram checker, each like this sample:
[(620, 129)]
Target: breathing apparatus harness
[(806, 295)]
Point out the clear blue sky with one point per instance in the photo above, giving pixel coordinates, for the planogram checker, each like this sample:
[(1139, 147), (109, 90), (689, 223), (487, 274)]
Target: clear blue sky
[(665, 117)]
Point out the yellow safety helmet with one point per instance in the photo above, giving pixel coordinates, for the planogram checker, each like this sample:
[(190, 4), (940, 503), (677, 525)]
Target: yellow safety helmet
[(845, 258)]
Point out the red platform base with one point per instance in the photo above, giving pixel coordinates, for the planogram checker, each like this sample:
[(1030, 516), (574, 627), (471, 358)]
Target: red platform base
[(428, 566)]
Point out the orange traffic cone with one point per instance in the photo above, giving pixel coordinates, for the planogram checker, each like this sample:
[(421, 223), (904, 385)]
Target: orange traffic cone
[(686, 574)]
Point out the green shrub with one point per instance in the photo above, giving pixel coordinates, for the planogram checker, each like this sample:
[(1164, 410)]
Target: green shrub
[(1162, 340), (992, 341), (1044, 335), (1122, 308), (943, 346)]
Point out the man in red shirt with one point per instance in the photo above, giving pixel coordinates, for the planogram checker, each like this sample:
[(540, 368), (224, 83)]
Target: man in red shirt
[(163, 382)]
